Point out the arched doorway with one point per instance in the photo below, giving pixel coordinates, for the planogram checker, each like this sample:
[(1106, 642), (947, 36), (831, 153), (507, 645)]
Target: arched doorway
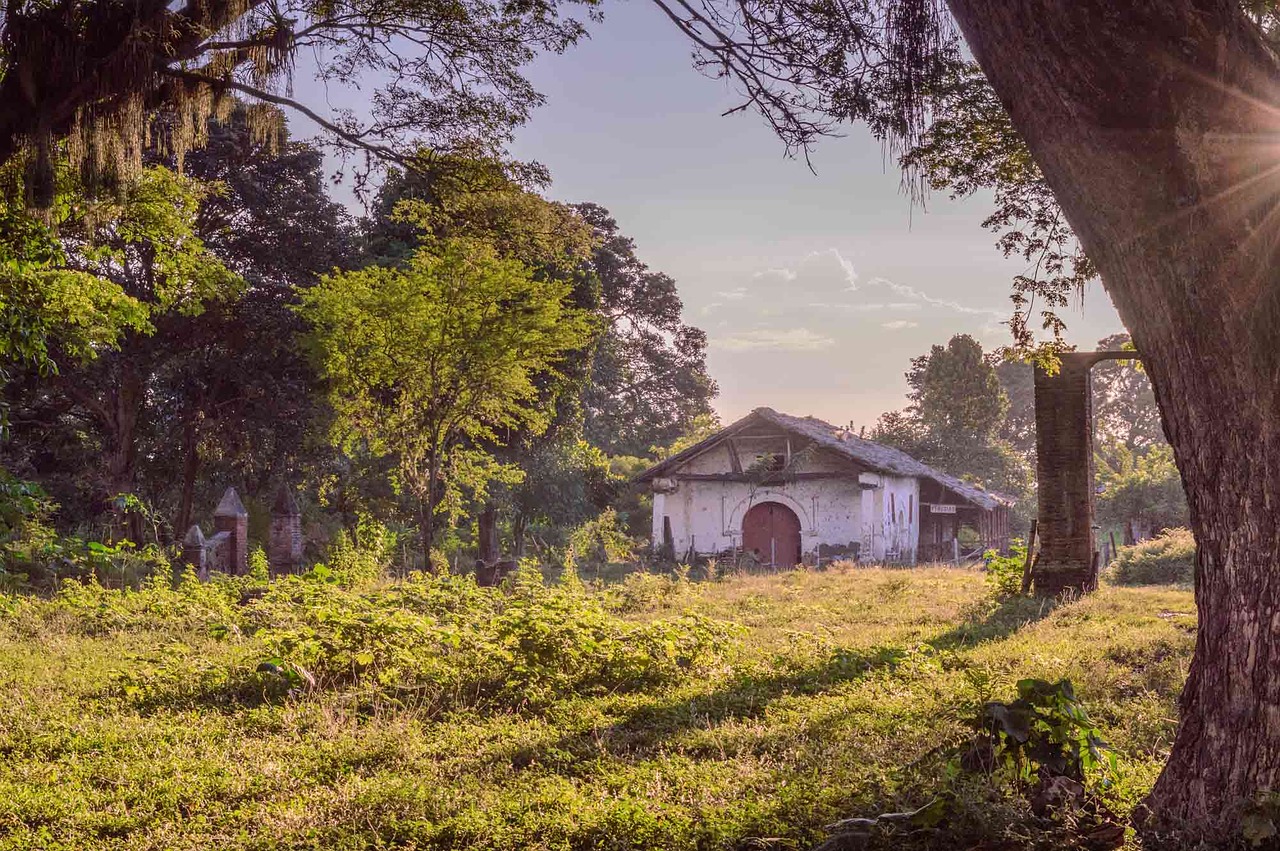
[(771, 532)]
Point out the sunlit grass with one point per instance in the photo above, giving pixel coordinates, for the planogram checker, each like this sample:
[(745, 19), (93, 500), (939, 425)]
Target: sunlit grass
[(836, 700)]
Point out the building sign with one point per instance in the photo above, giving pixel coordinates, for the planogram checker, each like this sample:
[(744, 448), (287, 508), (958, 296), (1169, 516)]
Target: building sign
[(941, 509)]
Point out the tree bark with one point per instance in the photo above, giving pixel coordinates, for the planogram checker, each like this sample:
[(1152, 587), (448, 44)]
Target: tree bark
[(190, 467), (487, 533), (1156, 126), (519, 524), (122, 446)]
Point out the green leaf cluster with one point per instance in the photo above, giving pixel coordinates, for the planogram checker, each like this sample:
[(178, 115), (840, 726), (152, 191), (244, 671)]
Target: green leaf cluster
[(430, 361), (1045, 732)]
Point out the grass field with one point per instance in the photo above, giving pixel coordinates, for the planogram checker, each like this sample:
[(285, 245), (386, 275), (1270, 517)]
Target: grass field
[(747, 712)]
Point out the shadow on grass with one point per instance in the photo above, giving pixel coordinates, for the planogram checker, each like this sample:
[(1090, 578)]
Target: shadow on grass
[(1006, 618), (747, 695)]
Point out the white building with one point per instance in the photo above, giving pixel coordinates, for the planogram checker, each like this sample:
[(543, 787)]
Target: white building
[(787, 490)]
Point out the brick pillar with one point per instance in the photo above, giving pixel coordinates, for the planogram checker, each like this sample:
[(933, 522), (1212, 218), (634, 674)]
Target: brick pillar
[(284, 541), (231, 517), (1064, 469)]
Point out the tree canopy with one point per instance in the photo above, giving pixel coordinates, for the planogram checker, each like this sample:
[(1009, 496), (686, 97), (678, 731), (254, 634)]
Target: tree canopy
[(82, 79), (425, 362)]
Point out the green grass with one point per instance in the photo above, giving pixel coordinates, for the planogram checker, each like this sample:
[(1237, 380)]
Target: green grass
[(835, 695)]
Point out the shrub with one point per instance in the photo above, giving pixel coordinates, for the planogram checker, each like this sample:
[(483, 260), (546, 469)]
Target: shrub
[(641, 592), (1004, 573), (1167, 559), (85, 607), (358, 556), (435, 644)]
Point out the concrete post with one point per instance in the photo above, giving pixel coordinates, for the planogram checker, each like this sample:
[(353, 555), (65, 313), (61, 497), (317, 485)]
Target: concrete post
[(232, 518), (284, 539)]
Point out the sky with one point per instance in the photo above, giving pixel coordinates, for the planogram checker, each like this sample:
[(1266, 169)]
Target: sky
[(815, 289)]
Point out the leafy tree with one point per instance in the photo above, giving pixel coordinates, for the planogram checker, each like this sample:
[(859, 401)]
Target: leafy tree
[(954, 390), (566, 483), (428, 361), (955, 417), (85, 76), (1017, 379), (480, 200), (1124, 405), (703, 426), (649, 381), (1142, 119), (145, 246), (211, 395), (1140, 488), (234, 392)]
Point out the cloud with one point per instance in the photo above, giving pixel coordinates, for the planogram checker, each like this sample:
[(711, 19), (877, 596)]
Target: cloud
[(866, 307), (822, 293), (780, 274), (774, 339), (919, 297)]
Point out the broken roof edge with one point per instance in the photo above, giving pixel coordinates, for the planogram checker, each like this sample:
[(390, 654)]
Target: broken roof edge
[(869, 453), (696, 449)]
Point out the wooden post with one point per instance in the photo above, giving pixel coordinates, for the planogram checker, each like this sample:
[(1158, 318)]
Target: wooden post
[(1031, 548), (955, 550)]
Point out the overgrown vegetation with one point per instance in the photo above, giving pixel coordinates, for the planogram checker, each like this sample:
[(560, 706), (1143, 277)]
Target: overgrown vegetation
[(337, 710), (1169, 558)]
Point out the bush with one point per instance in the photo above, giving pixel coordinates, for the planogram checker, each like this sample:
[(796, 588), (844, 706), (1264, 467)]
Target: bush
[(1004, 573), (435, 644), (1167, 559)]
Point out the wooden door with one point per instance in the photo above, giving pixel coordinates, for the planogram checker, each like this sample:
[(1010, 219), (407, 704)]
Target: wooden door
[(771, 532)]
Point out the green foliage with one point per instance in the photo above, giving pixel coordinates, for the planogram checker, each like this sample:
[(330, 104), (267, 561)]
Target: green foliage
[(1167, 559), (429, 361), (957, 412), (89, 608), (33, 554), (233, 714), (436, 645), (954, 390), (359, 556), (971, 146), (598, 542), (649, 383), (1140, 487), (641, 591), (1044, 732), (699, 429), (1004, 573)]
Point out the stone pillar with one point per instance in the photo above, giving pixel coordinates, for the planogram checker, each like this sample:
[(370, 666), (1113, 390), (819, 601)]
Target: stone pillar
[(195, 553), (284, 539), (1064, 470), (232, 518)]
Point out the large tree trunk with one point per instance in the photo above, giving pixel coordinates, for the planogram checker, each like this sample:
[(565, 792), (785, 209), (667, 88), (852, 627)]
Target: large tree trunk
[(122, 447), (519, 524), (487, 533), (190, 467), (1155, 124)]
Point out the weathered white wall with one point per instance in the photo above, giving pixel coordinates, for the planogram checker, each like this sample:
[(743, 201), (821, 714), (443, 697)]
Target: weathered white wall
[(707, 515), (891, 512)]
